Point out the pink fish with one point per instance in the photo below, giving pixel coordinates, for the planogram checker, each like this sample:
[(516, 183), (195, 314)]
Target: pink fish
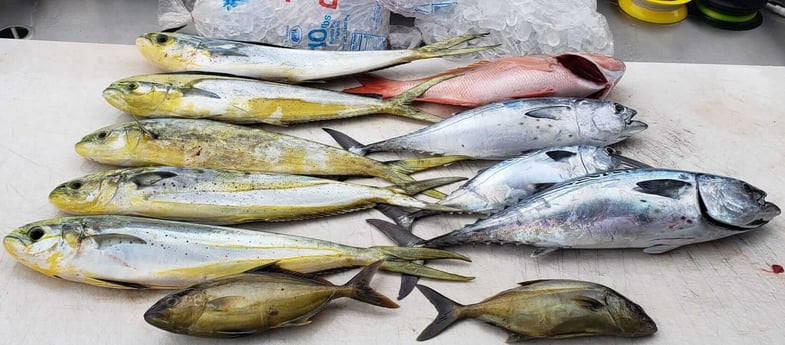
[(566, 75)]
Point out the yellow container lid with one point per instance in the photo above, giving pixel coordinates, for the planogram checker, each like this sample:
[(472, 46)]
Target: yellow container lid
[(656, 11)]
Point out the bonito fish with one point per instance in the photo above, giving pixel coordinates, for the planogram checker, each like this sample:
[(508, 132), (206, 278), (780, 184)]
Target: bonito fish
[(240, 100), (138, 253), (256, 301), (552, 308), (656, 209), (508, 182), (227, 196), (211, 144), (508, 129), (485, 82), (181, 52)]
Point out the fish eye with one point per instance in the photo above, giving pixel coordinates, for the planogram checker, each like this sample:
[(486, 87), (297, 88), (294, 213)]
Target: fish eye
[(102, 134), (619, 108), (75, 185), (161, 38), (36, 233), (611, 151), (172, 301), (133, 86)]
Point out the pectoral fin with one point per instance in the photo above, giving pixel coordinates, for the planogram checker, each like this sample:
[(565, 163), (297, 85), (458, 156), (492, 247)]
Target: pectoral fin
[(558, 155), (552, 112), (226, 303), (588, 303), (105, 240), (148, 179), (668, 188)]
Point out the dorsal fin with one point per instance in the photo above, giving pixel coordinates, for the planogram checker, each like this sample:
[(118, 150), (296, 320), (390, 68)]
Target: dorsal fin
[(668, 188)]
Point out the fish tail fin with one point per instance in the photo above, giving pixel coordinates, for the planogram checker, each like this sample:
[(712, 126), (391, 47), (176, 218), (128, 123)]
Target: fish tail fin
[(417, 187), (403, 217), (400, 105), (398, 172), (361, 289), (442, 48), (347, 143), (398, 234), (398, 259), (448, 313), (374, 84), (403, 237)]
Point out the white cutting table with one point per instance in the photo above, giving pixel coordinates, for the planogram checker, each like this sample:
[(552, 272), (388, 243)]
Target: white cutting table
[(713, 118)]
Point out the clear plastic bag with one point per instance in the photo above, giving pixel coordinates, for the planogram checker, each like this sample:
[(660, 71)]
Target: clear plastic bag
[(310, 24), (522, 27)]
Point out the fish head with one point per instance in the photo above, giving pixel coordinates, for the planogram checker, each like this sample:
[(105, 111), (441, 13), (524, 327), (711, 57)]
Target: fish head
[(139, 95), (601, 69), (46, 246), (734, 204), (607, 122), (115, 145), (628, 317), (179, 311), (171, 51), (86, 195), (597, 159)]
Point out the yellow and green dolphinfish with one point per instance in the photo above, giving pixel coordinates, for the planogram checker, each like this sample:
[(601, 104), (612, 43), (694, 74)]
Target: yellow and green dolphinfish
[(212, 144), (241, 100), (138, 253), (228, 196), (256, 301)]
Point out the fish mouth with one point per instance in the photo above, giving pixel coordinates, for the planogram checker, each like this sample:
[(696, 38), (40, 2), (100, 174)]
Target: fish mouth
[(633, 127), (115, 98), (157, 318), (13, 245)]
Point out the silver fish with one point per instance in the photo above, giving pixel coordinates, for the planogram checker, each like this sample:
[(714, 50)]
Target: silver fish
[(507, 129), (508, 182), (659, 210)]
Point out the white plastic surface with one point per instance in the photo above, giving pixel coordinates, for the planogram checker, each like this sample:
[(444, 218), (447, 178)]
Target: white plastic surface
[(719, 119)]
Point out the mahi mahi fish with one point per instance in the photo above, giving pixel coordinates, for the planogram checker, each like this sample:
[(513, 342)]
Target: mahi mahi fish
[(256, 301), (551, 308), (485, 82), (212, 144), (508, 129), (656, 209), (138, 253), (227, 196), (241, 100), (180, 52)]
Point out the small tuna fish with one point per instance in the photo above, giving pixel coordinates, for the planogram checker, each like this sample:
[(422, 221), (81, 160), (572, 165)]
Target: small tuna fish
[(256, 301), (547, 309), (656, 209), (240, 100), (227, 196), (508, 129), (180, 52), (485, 82)]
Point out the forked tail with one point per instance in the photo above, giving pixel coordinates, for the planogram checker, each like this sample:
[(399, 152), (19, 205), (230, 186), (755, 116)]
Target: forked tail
[(398, 259), (448, 313), (400, 105), (442, 48), (361, 289)]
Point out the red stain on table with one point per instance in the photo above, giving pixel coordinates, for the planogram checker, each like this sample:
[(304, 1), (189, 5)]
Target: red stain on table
[(776, 269)]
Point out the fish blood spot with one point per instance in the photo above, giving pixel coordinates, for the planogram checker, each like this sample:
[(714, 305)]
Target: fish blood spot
[(777, 269)]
